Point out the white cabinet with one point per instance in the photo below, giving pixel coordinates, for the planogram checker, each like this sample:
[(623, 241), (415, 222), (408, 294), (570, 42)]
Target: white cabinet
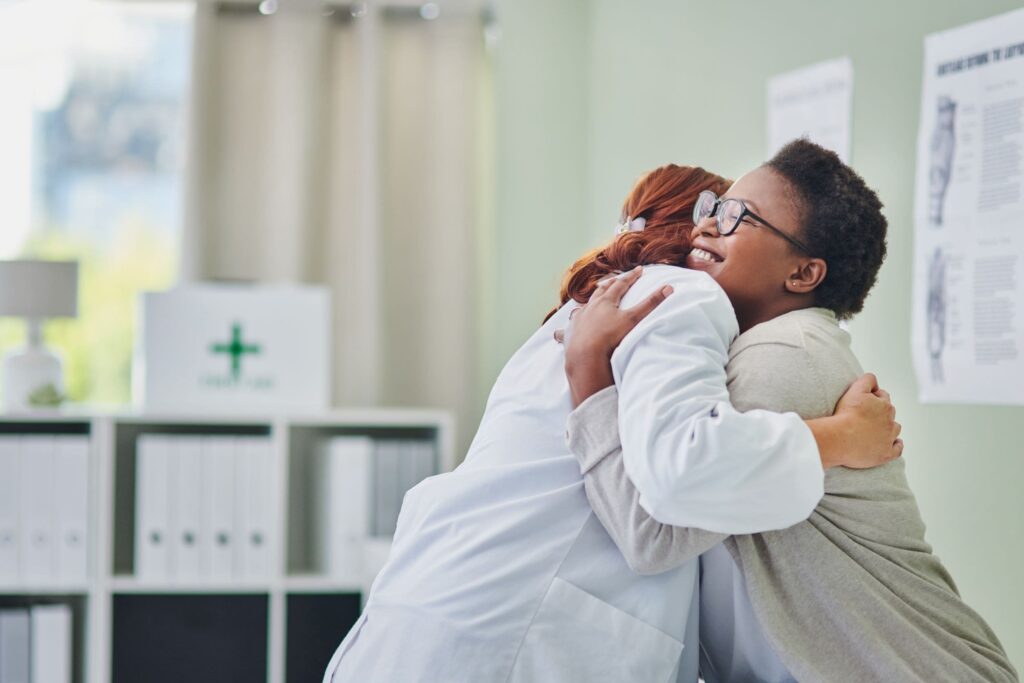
[(267, 489)]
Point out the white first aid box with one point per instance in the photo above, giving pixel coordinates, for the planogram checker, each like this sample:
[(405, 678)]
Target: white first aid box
[(228, 348)]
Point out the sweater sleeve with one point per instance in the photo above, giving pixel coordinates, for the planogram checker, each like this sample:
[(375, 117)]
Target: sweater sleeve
[(695, 460), (648, 546)]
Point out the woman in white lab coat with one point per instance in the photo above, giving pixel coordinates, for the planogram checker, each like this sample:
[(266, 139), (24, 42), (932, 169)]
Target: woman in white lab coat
[(500, 571)]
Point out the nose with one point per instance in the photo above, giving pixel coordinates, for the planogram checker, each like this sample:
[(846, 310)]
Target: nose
[(704, 227)]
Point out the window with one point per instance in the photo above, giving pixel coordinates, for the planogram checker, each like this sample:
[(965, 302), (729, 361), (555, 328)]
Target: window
[(92, 128)]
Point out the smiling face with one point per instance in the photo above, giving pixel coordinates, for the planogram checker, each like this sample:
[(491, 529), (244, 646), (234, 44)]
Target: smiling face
[(762, 273)]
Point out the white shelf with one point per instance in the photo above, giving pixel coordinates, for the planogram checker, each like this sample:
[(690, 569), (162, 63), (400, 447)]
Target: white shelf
[(111, 486), (48, 588), (132, 585)]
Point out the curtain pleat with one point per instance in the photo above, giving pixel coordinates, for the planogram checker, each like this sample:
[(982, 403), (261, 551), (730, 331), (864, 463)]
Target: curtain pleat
[(347, 153)]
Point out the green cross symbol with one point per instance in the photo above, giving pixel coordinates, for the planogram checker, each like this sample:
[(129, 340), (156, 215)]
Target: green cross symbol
[(237, 349)]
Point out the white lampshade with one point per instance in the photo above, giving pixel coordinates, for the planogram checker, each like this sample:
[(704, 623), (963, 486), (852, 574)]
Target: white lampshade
[(39, 289)]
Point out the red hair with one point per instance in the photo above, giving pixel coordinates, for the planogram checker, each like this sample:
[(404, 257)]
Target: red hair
[(664, 198)]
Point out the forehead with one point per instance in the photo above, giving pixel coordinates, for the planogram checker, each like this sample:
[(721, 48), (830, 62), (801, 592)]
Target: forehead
[(767, 194)]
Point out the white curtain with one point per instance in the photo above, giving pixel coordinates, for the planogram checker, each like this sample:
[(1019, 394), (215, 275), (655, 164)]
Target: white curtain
[(348, 151)]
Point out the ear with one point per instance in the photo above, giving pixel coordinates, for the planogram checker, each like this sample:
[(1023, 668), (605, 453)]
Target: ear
[(806, 276)]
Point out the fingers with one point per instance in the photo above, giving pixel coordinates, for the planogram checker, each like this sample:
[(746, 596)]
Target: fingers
[(866, 383), (896, 430), (882, 394), (897, 449), (641, 310), (559, 336), (614, 288)]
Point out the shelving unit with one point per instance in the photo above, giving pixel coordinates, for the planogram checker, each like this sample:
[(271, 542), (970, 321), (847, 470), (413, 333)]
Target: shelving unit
[(114, 607)]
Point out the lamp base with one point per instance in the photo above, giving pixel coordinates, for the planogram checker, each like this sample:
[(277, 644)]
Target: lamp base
[(27, 371)]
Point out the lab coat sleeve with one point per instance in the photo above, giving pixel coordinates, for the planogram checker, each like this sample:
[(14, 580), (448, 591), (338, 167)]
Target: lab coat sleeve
[(648, 546), (695, 460)]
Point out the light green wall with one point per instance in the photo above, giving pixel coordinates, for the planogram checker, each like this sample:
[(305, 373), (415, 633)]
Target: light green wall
[(590, 95), (541, 94)]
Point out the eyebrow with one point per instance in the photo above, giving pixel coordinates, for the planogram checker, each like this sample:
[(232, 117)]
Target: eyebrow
[(752, 205)]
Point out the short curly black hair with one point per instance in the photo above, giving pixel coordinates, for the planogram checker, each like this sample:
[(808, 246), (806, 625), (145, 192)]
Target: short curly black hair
[(841, 222)]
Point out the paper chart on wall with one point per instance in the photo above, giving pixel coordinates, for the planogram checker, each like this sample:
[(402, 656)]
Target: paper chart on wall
[(968, 278), (812, 102)]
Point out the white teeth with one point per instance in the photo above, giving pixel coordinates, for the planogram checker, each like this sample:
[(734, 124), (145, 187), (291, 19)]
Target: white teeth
[(702, 255)]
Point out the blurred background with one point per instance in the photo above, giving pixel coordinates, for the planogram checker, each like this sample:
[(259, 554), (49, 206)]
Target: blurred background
[(438, 166)]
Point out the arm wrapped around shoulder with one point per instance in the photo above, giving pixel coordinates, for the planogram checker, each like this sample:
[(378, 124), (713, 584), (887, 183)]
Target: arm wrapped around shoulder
[(695, 460)]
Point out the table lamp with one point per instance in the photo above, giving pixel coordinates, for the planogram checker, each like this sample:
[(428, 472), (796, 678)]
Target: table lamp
[(35, 290)]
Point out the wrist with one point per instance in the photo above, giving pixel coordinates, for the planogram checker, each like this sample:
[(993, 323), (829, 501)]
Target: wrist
[(587, 376), (830, 435), (582, 358)]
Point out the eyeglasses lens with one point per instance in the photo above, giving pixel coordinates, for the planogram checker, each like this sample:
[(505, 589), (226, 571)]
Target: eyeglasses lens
[(704, 206), (729, 216)]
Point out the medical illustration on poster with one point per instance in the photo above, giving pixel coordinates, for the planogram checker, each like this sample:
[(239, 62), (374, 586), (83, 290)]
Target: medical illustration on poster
[(968, 281)]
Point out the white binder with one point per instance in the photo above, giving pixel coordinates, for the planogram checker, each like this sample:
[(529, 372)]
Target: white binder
[(51, 644), (38, 550), (341, 485), (426, 459), (219, 505), (386, 486), (253, 476), (14, 646), (408, 470), (72, 510), (10, 514), (186, 502), (153, 474)]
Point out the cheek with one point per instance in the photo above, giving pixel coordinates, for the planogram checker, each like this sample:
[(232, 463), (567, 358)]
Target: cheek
[(753, 266)]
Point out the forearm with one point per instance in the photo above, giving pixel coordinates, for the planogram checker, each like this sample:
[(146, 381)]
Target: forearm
[(721, 470), (832, 434), (588, 373), (648, 546)]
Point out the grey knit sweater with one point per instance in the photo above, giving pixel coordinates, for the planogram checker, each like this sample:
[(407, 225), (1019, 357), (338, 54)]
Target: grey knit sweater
[(854, 593)]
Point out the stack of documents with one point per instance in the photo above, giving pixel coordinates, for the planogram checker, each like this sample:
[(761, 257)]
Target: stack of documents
[(358, 484), (203, 507), (44, 513), (35, 644)]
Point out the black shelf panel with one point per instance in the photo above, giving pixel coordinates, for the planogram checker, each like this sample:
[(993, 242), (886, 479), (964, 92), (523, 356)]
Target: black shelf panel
[(207, 638), (316, 624)]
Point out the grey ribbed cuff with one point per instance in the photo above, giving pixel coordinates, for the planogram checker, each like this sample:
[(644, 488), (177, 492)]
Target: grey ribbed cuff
[(592, 430)]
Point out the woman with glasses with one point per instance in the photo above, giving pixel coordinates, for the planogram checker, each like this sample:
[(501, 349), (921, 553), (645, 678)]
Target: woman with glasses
[(853, 593), (500, 571)]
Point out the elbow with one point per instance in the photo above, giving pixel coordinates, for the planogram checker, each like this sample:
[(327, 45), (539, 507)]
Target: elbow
[(647, 566), (660, 503), (644, 558)]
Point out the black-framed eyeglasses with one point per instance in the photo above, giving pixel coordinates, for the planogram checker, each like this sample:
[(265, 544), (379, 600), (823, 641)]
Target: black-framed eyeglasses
[(729, 213)]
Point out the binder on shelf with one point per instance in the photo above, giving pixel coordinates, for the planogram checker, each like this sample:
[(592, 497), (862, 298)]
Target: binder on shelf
[(153, 473), (10, 514), (15, 655), (50, 644), (218, 530), (386, 502), (254, 477), (408, 470), (38, 550), (425, 455), (185, 494), (71, 489), (342, 485)]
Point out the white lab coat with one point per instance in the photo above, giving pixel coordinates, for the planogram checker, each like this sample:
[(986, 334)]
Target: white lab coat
[(500, 571)]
